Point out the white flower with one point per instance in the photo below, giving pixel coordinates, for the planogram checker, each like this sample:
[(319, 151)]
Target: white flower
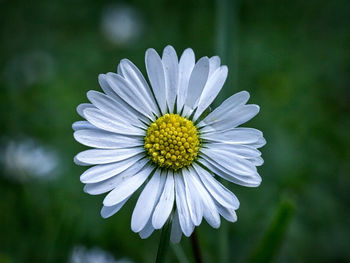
[(81, 254), (157, 134), (121, 24), (27, 159)]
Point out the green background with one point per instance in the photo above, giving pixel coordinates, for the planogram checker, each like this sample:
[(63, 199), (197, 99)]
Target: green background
[(292, 56)]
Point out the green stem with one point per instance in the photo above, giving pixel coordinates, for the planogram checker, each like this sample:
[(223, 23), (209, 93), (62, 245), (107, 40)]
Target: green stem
[(223, 242), (163, 242), (195, 247), (179, 253)]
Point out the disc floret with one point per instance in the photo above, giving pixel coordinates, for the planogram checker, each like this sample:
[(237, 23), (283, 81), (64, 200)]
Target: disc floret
[(172, 141)]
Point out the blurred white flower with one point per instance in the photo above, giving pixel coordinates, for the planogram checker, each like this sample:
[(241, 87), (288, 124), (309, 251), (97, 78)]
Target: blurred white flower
[(31, 68), (81, 254), (24, 159), (121, 24)]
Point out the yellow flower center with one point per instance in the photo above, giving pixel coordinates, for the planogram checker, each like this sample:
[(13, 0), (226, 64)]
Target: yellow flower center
[(172, 141)]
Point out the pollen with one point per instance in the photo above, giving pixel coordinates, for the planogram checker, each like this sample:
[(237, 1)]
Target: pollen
[(172, 141)]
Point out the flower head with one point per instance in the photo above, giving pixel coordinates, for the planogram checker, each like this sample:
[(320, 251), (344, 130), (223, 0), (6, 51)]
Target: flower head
[(172, 142), (158, 136)]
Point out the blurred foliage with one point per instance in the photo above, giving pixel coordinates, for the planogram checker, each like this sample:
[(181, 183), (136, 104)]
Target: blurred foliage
[(292, 56), (269, 245)]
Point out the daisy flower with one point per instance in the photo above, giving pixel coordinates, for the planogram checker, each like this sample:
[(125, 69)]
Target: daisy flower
[(159, 136)]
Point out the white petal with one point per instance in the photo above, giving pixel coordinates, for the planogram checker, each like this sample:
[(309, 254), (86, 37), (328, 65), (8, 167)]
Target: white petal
[(210, 212), (176, 233), (110, 183), (245, 151), (133, 75), (228, 105), (127, 187), (147, 201), (108, 211), (82, 107), (147, 230), (130, 94), (181, 204), (102, 156), (257, 161), (106, 140), (260, 143), (77, 162), (82, 125), (233, 118), (197, 82), (186, 64), (107, 122), (219, 192), (119, 70), (228, 213), (193, 199), (114, 108), (107, 89), (211, 90), (234, 136), (102, 172), (102, 79), (214, 64), (230, 161), (252, 180), (166, 201), (156, 76), (171, 70)]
